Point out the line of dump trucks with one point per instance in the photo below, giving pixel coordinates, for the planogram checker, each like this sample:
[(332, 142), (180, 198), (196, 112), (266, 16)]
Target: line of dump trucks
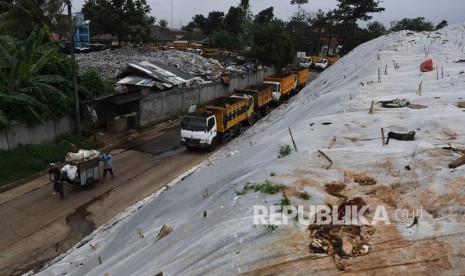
[(208, 124)]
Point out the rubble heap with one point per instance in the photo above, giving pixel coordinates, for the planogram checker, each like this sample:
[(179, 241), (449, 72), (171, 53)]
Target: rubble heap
[(110, 63)]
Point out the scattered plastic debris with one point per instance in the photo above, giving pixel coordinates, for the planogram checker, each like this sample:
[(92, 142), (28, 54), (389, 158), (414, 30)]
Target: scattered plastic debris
[(111, 63)]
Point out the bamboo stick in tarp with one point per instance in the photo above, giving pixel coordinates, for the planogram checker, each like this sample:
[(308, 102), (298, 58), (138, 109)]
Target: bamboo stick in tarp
[(292, 138)]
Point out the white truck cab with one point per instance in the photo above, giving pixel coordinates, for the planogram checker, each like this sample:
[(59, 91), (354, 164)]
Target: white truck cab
[(277, 90), (198, 131), (304, 62), (321, 64)]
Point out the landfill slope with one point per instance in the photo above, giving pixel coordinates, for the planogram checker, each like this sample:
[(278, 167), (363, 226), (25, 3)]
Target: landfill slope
[(212, 217)]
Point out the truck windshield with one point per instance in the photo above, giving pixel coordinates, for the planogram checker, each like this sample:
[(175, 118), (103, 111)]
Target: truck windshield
[(194, 123), (275, 86), (321, 60), (303, 60)]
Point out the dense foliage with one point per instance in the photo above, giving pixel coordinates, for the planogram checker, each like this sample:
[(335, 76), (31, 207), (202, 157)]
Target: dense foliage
[(95, 86), (129, 20), (19, 17), (418, 24), (34, 79), (271, 43)]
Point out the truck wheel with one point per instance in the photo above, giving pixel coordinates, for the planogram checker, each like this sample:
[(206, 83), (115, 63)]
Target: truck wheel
[(237, 131), (212, 145), (90, 183), (251, 120), (284, 98), (266, 110)]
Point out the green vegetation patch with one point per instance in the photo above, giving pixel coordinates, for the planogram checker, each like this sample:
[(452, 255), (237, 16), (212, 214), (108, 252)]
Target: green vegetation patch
[(268, 187), (26, 160), (284, 150)]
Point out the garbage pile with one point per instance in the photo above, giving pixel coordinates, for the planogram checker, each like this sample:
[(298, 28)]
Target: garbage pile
[(110, 63), (343, 240)]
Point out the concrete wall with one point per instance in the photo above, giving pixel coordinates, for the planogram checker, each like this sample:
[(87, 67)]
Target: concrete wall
[(161, 106), (20, 133), (153, 109)]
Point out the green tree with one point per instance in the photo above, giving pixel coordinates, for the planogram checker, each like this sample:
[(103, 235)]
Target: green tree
[(349, 11), (224, 40), (376, 29), (208, 25), (325, 26), (127, 19), (190, 27), (201, 22), (96, 11), (4, 6), (299, 3), (233, 21), (441, 25), (95, 86), (247, 13), (300, 31), (215, 21), (264, 16), (94, 83), (271, 43), (245, 38), (163, 24), (418, 24), (28, 91), (18, 18)]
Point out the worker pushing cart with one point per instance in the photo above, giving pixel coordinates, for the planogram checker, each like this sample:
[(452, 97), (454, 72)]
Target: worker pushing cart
[(81, 169)]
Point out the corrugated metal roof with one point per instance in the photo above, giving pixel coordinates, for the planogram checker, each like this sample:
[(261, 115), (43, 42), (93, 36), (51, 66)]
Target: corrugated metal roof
[(139, 81), (168, 76)]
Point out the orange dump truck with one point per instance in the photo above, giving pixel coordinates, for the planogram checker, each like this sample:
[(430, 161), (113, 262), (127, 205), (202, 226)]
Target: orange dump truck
[(262, 95), (215, 121), (302, 77), (283, 85)]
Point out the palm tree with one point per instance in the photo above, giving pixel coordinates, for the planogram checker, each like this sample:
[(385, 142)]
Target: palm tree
[(20, 17), (26, 93)]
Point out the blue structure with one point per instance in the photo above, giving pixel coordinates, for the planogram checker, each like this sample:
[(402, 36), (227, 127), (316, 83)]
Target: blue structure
[(81, 33)]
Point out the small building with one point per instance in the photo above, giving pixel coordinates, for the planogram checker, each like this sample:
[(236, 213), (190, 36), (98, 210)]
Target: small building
[(81, 33), (116, 113), (194, 38), (120, 112), (161, 37), (106, 39)]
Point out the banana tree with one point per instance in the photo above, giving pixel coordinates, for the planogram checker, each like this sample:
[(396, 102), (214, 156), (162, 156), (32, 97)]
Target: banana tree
[(26, 93)]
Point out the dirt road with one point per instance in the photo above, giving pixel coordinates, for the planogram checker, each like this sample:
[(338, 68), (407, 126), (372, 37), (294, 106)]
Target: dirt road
[(37, 225)]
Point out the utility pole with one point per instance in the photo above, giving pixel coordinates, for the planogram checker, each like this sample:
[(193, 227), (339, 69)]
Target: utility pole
[(77, 115)]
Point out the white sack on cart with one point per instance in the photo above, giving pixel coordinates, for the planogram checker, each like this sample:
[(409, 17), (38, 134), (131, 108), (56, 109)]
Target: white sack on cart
[(82, 155), (71, 171)]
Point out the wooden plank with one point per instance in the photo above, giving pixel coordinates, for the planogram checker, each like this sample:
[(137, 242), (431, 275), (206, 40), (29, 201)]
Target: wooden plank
[(457, 163), (382, 136)]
